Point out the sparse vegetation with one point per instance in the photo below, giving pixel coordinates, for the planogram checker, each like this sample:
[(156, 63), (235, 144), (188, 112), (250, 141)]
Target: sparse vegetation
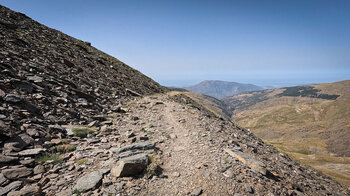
[(82, 161), (77, 192), (306, 91), (81, 132), (55, 158), (226, 161), (65, 148), (153, 167), (64, 141)]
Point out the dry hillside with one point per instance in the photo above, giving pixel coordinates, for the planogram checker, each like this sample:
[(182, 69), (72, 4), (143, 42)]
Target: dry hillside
[(309, 122)]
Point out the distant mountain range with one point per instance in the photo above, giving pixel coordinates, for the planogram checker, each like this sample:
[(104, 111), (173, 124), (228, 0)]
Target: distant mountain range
[(221, 89)]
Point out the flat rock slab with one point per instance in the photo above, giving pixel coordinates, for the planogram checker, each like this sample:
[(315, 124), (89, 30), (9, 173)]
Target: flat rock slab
[(134, 152), (248, 160), (26, 190), (11, 187), (136, 146), (7, 159), (130, 166), (31, 152), (15, 173), (89, 181)]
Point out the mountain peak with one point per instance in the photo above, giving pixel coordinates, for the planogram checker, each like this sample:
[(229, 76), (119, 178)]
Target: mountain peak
[(220, 89)]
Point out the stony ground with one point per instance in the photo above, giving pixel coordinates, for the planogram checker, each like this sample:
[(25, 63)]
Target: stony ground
[(185, 146)]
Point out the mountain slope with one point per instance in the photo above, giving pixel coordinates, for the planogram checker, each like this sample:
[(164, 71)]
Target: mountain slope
[(48, 77), (63, 134), (211, 104), (220, 89), (310, 122)]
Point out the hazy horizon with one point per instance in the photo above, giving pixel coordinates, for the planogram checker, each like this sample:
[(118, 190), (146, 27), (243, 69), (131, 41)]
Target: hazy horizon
[(274, 82), (179, 43)]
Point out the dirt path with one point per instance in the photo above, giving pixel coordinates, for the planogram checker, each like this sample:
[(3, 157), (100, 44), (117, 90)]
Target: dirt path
[(178, 166), (186, 157)]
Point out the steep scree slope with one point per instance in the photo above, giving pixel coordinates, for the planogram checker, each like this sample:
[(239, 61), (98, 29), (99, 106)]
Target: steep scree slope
[(48, 77)]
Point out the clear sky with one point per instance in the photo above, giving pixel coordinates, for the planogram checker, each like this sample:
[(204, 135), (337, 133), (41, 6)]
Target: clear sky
[(183, 42)]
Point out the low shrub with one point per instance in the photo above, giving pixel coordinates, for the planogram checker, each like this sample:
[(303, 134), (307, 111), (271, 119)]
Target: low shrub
[(81, 132)]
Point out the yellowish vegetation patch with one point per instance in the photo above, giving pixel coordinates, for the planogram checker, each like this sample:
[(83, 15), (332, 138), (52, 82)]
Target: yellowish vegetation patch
[(335, 167)]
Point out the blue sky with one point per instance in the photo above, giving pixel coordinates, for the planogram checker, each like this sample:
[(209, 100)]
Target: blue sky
[(183, 42)]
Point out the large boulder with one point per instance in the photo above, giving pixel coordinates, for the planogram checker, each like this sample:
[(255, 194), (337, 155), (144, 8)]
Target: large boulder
[(130, 166), (89, 181)]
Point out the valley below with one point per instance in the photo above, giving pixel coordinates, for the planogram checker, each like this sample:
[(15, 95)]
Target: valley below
[(310, 123)]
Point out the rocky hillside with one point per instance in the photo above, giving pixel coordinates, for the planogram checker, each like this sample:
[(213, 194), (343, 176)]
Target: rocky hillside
[(221, 89), (311, 123), (75, 121), (50, 78)]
